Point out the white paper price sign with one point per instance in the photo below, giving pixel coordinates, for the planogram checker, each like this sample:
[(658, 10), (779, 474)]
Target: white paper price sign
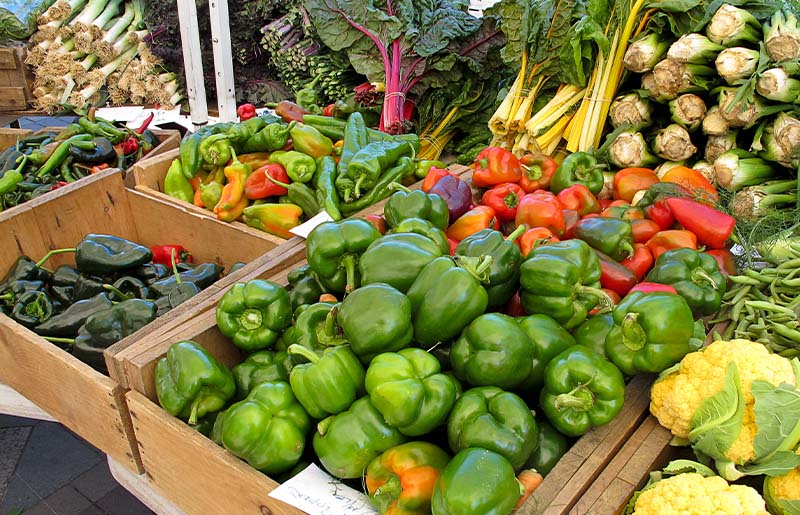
[(317, 493), (304, 229)]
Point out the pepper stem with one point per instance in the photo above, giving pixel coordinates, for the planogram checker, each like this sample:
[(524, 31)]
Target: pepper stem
[(349, 262), (580, 398), (359, 182), (391, 489), (603, 299), (519, 231), (251, 319), (307, 353), (627, 247), (52, 339), (7, 296), (113, 289), (699, 275), (174, 264), (276, 181), (53, 253), (478, 267), (585, 173), (533, 172), (195, 408), (633, 336), (398, 187)]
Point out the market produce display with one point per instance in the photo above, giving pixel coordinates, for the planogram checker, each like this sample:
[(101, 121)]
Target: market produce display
[(115, 288), (41, 163)]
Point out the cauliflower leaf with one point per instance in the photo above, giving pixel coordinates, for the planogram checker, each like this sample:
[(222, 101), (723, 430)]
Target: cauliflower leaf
[(717, 422)]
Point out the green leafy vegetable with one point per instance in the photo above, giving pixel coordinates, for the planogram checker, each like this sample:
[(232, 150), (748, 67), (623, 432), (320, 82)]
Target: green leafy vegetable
[(717, 422)]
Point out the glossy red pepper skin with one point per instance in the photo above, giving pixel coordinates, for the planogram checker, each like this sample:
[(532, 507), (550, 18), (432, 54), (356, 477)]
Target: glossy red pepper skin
[(246, 111), (579, 198), (640, 262), (628, 181), (647, 287), (145, 124), (614, 276), (378, 221), (329, 110), (534, 237), (258, 186), (541, 209), (643, 230), (672, 239), (513, 307), (495, 165), (537, 170), (434, 175), (130, 145), (725, 260), (504, 199), (660, 213), (162, 254), (712, 227), (474, 220)]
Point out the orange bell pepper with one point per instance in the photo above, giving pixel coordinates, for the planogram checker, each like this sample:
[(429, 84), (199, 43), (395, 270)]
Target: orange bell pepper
[(236, 174), (630, 180), (673, 239), (694, 181), (495, 165), (537, 170), (541, 209), (643, 230), (477, 218), (534, 237)]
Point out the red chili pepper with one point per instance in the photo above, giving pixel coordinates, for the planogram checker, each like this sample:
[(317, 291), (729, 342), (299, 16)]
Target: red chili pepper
[(435, 175), (98, 168), (259, 186), (59, 184), (246, 111), (130, 145), (580, 198), (660, 213), (630, 180), (477, 218), (725, 260), (541, 209), (537, 170), (328, 110), (495, 165), (640, 262), (571, 219), (534, 237), (378, 221), (647, 287), (504, 199), (712, 227), (614, 276), (162, 254), (145, 124), (643, 230), (668, 240)]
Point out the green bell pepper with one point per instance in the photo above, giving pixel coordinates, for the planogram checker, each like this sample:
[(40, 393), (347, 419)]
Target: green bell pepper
[(492, 350), (611, 236), (476, 482), (330, 382), (416, 204), (445, 298), (371, 161), (105, 328), (397, 259), (315, 327), (268, 429), (333, 250), (190, 382), (347, 442), (216, 149), (410, 391), (425, 228), (254, 313), (548, 340), (260, 367), (299, 167), (696, 277), (581, 391), (578, 168), (491, 418), (305, 287), (376, 318), (652, 332), (272, 137), (506, 258), (552, 446), (562, 280), (593, 331)]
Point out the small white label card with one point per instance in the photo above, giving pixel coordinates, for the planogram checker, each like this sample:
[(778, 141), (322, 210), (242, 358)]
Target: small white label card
[(120, 114), (304, 229), (317, 493)]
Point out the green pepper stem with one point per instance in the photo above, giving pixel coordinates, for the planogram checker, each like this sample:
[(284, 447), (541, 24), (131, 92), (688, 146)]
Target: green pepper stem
[(307, 353), (633, 335), (391, 489), (174, 264), (478, 267), (627, 247), (700, 275), (398, 187), (117, 291), (70, 341), (585, 173), (251, 319), (53, 253), (196, 407), (580, 398), (604, 299), (359, 182), (349, 262), (519, 231), (7, 296), (276, 181)]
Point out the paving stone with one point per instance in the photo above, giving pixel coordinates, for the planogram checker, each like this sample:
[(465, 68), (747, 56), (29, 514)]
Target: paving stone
[(122, 502), (40, 509), (67, 501), (12, 443), (54, 456), (19, 496), (93, 510), (12, 421), (96, 483)]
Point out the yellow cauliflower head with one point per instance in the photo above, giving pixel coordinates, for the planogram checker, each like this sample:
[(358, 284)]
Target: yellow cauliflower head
[(693, 494), (675, 398), (785, 487)]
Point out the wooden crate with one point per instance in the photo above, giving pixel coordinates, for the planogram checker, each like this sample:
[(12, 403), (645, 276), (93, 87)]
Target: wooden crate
[(9, 137), (87, 402), (15, 81)]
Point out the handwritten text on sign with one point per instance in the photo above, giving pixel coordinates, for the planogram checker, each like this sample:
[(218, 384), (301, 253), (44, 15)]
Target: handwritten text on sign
[(317, 493)]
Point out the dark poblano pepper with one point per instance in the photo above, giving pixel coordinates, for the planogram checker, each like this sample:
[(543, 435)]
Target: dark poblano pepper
[(68, 322), (32, 308), (105, 254)]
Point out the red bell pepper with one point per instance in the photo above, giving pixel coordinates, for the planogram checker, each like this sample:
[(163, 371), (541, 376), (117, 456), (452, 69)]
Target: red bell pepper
[(504, 199), (725, 260), (541, 209), (643, 230), (630, 180), (259, 186), (435, 175), (673, 239), (534, 237), (580, 198), (130, 145), (571, 219), (378, 221), (495, 165), (328, 110), (605, 203), (712, 227), (614, 276), (694, 181), (640, 262), (246, 111), (162, 254), (537, 170), (660, 213), (477, 218), (646, 287)]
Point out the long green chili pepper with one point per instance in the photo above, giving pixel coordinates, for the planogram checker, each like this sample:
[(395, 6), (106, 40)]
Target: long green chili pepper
[(12, 178), (301, 195), (59, 154)]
